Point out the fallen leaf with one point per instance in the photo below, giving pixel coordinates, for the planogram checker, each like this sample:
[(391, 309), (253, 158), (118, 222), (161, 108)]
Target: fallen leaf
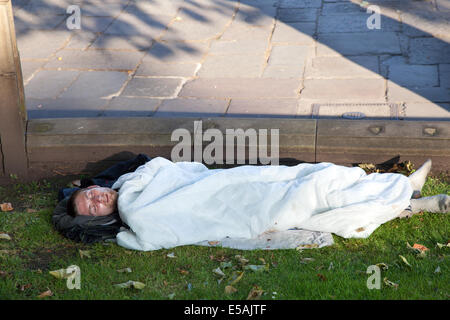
[(44, 294), (3, 274), (25, 286), (418, 249), (230, 289), (306, 260), (213, 243), (183, 272), (225, 264), (219, 272), (236, 277), (241, 259), (6, 207), (124, 270), (84, 253), (4, 236), (29, 210), (171, 296), (257, 268), (129, 284), (361, 229), (440, 245), (390, 283), (382, 266), (322, 277), (255, 293), (307, 246), (64, 273), (405, 261)]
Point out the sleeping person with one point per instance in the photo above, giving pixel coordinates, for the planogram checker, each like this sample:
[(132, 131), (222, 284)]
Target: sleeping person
[(165, 204)]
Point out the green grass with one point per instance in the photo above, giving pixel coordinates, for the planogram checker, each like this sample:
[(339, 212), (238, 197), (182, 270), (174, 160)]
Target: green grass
[(36, 248)]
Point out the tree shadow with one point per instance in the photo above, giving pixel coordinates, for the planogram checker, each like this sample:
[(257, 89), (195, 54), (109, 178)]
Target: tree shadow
[(411, 49)]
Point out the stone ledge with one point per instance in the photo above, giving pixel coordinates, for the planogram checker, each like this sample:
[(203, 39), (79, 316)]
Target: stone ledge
[(84, 145)]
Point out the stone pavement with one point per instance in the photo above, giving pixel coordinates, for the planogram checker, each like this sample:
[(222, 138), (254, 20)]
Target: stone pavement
[(248, 58)]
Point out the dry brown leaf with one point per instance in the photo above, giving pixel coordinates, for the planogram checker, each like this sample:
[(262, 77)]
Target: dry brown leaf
[(230, 289), (183, 272), (255, 293), (236, 277), (390, 283), (213, 243), (29, 210), (6, 207), (44, 294), (322, 277), (420, 247), (25, 286), (5, 236)]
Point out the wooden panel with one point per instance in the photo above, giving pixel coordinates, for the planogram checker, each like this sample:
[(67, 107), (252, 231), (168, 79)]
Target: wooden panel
[(12, 101), (348, 141)]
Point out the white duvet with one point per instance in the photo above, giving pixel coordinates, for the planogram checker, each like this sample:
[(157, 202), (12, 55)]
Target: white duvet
[(169, 204)]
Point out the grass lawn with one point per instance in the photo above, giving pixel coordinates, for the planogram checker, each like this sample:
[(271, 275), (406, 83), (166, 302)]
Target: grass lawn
[(335, 272)]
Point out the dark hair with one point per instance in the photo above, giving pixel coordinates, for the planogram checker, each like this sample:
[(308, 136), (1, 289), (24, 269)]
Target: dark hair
[(71, 207)]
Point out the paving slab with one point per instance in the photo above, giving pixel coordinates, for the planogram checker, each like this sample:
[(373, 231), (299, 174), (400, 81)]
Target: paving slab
[(95, 60), (364, 67), (232, 66), (110, 41), (288, 71), (257, 108), (56, 82), (152, 87), (363, 43), (241, 88), (295, 33), (29, 68), (300, 4), (427, 111), (130, 107), (151, 68), (344, 89), (444, 75), (65, 108), (397, 92), (428, 51), (128, 24), (177, 52), (110, 84), (231, 47), (297, 15), (414, 75), (355, 23), (31, 46), (192, 108)]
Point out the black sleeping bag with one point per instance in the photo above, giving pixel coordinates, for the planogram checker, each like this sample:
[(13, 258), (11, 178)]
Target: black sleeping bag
[(88, 229)]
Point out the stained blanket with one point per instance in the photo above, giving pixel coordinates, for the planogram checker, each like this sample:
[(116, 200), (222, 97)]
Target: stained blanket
[(169, 204)]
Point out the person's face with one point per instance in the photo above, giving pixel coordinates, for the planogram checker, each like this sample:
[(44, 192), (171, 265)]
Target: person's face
[(96, 201)]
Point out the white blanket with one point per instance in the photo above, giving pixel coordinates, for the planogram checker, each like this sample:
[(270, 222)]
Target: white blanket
[(169, 204)]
